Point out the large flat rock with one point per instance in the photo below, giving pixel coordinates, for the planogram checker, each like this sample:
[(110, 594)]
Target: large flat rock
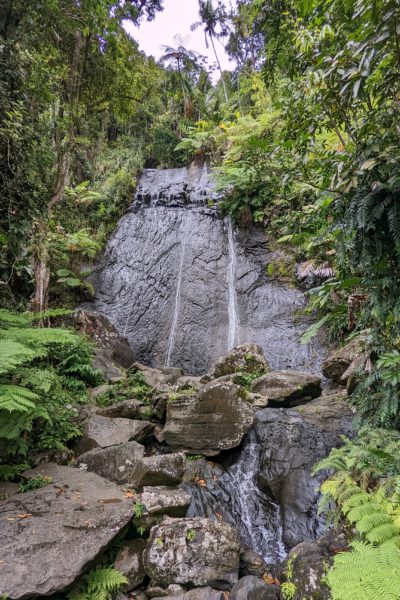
[(101, 432), (121, 464), (287, 388), (215, 419), (51, 535)]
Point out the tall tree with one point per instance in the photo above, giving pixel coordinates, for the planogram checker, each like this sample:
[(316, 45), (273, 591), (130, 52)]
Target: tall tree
[(211, 19)]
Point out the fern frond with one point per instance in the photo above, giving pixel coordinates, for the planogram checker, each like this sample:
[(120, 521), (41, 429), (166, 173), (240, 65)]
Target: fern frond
[(9, 319), (13, 354), (14, 398), (367, 572)]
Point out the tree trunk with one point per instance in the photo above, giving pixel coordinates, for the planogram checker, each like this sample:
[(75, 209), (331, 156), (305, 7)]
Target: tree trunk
[(219, 67), (40, 299)]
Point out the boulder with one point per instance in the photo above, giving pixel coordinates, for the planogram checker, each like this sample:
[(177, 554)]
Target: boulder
[(101, 432), (337, 363), (163, 379), (215, 419), (129, 561), (246, 358), (99, 391), (127, 409), (202, 593), (195, 552), (103, 333), (159, 500), (121, 464), (8, 489), (50, 536), (188, 382), (251, 563), (103, 362), (254, 588), (164, 469), (287, 388), (292, 442), (309, 561)]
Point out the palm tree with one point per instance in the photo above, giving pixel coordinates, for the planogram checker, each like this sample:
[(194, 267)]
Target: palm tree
[(210, 18)]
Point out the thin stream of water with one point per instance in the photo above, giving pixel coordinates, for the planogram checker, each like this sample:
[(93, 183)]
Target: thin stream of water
[(233, 332), (172, 335)]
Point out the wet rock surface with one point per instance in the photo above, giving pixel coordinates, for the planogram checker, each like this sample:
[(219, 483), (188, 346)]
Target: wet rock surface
[(215, 419), (337, 363), (196, 552), (78, 511), (165, 280), (292, 441)]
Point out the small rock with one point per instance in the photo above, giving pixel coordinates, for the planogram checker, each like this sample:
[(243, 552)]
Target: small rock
[(129, 561), (202, 593), (162, 379), (194, 552), (109, 369), (251, 563), (164, 469), (121, 464), (173, 502), (336, 364), (101, 432), (99, 391), (127, 409), (253, 588), (156, 592), (288, 388), (246, 358), (8, 489), (214, 420)]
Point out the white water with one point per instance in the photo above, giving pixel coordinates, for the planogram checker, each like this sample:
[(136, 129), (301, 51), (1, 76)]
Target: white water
[(233, 332), (172, 335)]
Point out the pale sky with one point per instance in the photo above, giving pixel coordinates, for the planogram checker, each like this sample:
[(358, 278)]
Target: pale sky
[(176, 18)]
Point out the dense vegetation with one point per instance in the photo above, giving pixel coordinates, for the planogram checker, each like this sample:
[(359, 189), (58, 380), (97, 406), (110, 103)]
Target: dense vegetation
[(304, 134)]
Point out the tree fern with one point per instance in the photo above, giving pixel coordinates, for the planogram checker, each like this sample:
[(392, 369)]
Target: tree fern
[(368, 572), (14, 398)]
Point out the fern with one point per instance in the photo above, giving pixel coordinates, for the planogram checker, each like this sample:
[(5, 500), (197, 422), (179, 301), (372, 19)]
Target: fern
[(366, 573), (15, 398), (14, 354), (99, 584)]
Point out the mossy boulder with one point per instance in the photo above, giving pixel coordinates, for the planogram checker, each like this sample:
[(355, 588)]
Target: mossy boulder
[(246, 358)]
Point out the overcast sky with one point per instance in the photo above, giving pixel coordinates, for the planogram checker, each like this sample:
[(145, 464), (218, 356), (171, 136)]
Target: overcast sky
[(176, 18)]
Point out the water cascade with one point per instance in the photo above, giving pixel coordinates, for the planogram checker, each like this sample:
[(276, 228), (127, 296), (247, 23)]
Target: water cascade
[(183, 286), (172, 335)]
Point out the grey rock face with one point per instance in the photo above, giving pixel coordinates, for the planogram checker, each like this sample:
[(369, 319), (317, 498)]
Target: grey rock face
[(159, 500), (164, 469), (121, 464), (129, 561), (100, 432), (162, 379), (292, 443), (195, 552), (288, 388), (164, 280), (216, 419), (64, 527), (8, 489), (246, 358), (253, 588)]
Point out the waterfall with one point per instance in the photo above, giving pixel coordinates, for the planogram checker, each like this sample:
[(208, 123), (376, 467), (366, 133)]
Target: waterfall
[(233, 331), (172, 335)]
